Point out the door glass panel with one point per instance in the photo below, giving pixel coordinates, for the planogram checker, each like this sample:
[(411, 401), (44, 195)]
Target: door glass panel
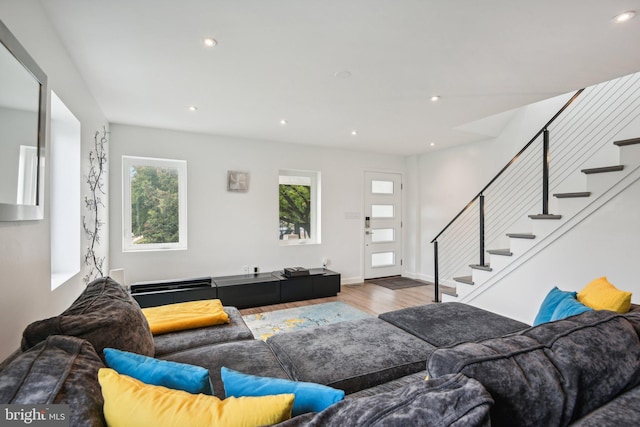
[(383, 259), (382, 235), (381, 187), (382, 211)]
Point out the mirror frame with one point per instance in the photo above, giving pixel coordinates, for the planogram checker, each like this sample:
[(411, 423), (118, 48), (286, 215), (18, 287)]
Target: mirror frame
[(15, 212)]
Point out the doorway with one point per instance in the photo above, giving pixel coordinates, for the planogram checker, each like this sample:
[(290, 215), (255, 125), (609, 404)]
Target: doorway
[(382, 225)]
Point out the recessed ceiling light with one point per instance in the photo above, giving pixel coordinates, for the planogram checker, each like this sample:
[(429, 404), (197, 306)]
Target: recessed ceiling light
[(354, 132), (344, 74), (433, 144), (435, 98), (192, 108), (624, 17), (283, 122), (210, 42)]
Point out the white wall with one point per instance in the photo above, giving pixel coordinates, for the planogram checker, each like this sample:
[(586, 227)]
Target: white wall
[(25, 246), (229, 230), (412, 224)]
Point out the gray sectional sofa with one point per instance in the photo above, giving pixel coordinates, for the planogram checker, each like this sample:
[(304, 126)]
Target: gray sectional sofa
[(482, 368)]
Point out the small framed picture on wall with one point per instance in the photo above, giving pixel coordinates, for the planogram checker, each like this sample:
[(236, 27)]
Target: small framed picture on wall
[(237, 182)]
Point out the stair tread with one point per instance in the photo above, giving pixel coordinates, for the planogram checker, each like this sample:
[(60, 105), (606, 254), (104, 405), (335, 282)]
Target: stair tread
[(464, 279), (481, 267), (571, 195), (521, 235), (603, 169), (504, 252), (545, 216), (625, 142)]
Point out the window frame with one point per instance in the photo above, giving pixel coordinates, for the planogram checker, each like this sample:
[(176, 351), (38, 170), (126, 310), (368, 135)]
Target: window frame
[(127, 234), (315, 208)]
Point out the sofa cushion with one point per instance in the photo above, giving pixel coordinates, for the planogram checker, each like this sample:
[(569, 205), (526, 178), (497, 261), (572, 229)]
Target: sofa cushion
[(390, 386), (599, 294), (235, 330), (568, 307), (622, 411), (104, 314), (250, 356), (553, 373), (350, 356), (309, 397), (451, 323), (178, 376), (129, 402), (453, 400), (59, 370), (633, 316), (554, 297)]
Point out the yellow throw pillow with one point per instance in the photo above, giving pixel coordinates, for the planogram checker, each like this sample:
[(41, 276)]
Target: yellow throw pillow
[(602, 295), (129, 402), (185, 315)]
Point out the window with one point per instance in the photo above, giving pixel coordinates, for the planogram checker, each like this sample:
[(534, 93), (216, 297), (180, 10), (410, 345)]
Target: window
[(154, 204), (65, 200), (299, 202)]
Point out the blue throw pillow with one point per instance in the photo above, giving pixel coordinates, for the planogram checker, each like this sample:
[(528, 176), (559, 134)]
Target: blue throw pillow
[(551, 301), (178, 376), (309, 397), (569, 307)]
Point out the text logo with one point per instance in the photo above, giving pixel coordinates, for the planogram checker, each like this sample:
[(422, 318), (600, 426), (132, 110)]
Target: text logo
[(34, 415)]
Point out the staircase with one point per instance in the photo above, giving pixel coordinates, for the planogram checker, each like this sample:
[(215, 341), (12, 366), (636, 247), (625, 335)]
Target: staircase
[(570, 209), (571, 165)]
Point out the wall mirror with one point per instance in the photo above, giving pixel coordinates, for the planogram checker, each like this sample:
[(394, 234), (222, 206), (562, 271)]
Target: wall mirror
[(23, 94)]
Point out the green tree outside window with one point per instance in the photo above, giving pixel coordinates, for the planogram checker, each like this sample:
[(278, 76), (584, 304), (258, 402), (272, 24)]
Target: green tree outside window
[(295, 211), (154, 205)]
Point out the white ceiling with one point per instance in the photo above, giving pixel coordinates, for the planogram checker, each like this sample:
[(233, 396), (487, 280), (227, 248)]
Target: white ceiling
[(145, 63)]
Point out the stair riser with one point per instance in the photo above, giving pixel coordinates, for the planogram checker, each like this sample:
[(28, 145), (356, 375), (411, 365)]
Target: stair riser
[(500, 261), (630, 154), (480, 276), (600, 182), (519, 246), (449, 298), (542, 227), (450, 283), (463, 289), (571, 206)]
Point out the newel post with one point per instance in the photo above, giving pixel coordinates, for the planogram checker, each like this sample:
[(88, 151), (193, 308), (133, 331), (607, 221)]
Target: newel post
[(436, 297), (481, 203)]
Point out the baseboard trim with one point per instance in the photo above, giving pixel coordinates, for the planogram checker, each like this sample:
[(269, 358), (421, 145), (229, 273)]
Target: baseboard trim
[(351, 280)]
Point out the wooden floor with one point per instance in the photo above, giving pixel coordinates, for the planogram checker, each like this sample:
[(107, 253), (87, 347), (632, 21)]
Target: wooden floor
[(367, 297)]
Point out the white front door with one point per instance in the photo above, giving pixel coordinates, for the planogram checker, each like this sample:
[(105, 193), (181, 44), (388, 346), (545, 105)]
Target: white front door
[(382, 225)]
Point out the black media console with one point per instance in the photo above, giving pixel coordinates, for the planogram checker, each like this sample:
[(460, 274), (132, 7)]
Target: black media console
[(242, 291)]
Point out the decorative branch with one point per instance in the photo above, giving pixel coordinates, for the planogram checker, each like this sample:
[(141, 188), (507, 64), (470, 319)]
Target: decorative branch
[(92, 228)]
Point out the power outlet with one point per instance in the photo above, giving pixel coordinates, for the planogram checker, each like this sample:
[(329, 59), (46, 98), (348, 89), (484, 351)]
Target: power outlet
[(245, 269), (325, 262)]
